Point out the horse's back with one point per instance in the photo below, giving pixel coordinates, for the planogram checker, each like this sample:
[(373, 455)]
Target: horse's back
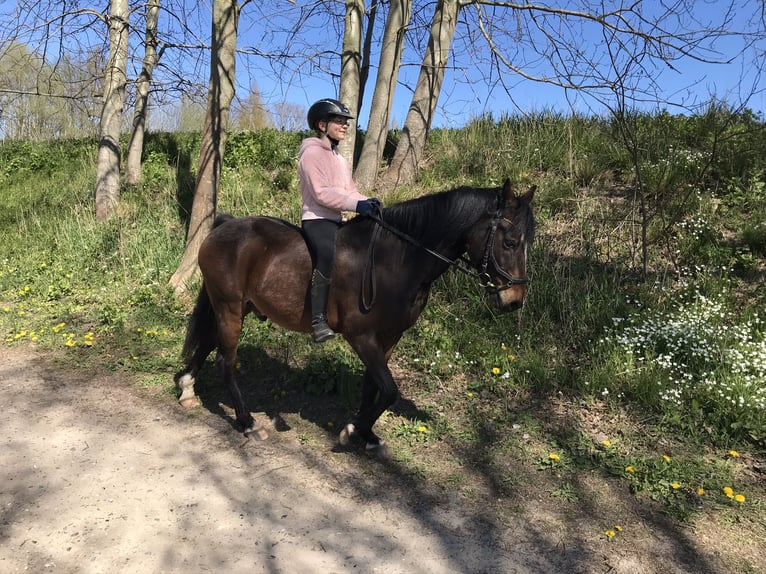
[(261, 262), (235, 238)]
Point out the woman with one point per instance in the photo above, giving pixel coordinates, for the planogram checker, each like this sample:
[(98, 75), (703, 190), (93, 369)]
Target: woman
[(327, 190)]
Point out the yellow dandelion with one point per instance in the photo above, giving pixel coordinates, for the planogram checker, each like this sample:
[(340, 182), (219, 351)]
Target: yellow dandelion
[(630, 468), (733, 454), (6, 309), (728, 491), (618, 528), (503, 347), (70, 343), (495, 371), (422, 429), (675, 486), (740, 498), (610, 534), (666, 458), (469, 394), (700, 491), (554, 456), (606, 442), (88, 342), (511, 357)]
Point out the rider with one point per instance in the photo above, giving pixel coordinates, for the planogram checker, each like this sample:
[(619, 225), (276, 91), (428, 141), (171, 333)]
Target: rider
[(327, 189)]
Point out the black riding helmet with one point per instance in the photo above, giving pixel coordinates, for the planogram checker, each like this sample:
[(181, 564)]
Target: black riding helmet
[(325, 109)]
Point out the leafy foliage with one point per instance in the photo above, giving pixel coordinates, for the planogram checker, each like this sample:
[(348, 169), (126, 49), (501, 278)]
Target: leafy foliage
[(686, 353)]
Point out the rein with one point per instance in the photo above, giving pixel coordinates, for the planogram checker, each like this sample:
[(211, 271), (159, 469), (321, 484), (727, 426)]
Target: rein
[(460, 263)]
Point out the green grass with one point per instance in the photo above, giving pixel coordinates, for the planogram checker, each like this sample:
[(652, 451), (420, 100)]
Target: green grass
[(599, 349)]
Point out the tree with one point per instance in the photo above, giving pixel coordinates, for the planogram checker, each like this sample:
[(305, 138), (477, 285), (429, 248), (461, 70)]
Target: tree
[(143, 85), (108, 167), (350, 72), (289, 117), (225, 22), (398, 18), (412, 142), (251, 114)]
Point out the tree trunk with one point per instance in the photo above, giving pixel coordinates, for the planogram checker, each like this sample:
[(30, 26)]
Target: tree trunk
[(136, 146), (220, 95), (412, 143), (350, 62), (108, 169), (383, 97)]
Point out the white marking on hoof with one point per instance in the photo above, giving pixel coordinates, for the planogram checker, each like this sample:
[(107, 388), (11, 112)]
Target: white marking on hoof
[(347, 434), (259, 433), (380, 450), (190, 402), (188, 398)]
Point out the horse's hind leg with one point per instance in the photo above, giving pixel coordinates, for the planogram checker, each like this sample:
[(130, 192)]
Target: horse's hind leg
[(229, 329), (186, 383)]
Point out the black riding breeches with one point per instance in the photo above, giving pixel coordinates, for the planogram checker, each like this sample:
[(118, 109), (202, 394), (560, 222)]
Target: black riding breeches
[(320, 237)]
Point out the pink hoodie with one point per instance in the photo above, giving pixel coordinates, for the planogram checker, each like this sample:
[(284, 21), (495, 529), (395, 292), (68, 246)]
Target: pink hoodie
[(327, 188)]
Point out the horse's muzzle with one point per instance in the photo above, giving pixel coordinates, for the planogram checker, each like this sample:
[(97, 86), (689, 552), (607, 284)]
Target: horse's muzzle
[(510, 299)]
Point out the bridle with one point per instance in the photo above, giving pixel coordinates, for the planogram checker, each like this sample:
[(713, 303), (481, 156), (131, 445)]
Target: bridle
[(460, 263), (489, 255)]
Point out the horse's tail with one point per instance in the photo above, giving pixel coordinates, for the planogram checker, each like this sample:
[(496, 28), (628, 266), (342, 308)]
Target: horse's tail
[(201, 333)]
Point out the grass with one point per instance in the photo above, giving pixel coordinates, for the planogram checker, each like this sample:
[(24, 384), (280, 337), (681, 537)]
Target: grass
[(605, 368)]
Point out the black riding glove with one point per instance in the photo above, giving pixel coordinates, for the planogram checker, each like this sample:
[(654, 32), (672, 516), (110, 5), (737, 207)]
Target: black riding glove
[(368, 207)]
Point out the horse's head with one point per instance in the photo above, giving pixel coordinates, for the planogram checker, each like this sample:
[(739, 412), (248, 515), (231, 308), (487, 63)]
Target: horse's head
[(498, 247)]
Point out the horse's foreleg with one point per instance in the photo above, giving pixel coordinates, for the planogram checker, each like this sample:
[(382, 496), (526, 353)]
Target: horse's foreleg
[(379, 391)]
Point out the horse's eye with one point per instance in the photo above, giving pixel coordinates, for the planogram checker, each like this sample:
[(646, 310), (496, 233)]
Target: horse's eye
[(509, 242)]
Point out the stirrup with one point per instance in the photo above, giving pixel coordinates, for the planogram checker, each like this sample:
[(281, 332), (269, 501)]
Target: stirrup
[(321, 329)]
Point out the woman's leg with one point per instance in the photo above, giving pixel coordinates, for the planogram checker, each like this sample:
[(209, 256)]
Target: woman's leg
[(320, 237)]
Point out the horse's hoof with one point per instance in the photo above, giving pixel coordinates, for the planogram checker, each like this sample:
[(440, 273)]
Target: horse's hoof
[(347, 434), (259, 433), (189, 402), (380, 450)]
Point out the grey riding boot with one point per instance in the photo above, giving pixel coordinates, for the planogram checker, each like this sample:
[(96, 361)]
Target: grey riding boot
[(320, 289)]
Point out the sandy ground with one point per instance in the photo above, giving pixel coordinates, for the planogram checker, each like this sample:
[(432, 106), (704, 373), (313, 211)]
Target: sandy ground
[(97, 476)]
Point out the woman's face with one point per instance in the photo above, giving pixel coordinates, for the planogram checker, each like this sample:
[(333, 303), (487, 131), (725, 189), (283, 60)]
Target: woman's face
[(336, 127)]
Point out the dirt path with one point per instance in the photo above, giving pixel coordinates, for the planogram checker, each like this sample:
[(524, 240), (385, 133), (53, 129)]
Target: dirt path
[(94, 478)]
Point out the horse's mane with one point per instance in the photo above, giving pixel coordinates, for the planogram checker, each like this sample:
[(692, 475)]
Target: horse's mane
[(441, 217)]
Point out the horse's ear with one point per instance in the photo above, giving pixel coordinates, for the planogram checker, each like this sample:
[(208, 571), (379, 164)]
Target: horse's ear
[(508, 191), (530, 193)]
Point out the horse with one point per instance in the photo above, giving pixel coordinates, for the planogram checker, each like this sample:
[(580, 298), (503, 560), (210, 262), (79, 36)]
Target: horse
[(384, 268)]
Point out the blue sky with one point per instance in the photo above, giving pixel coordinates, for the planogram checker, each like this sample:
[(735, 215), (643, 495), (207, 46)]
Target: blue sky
[(466, 95)]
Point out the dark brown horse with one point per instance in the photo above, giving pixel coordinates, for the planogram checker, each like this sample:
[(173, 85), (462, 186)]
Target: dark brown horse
[(383, 273)]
